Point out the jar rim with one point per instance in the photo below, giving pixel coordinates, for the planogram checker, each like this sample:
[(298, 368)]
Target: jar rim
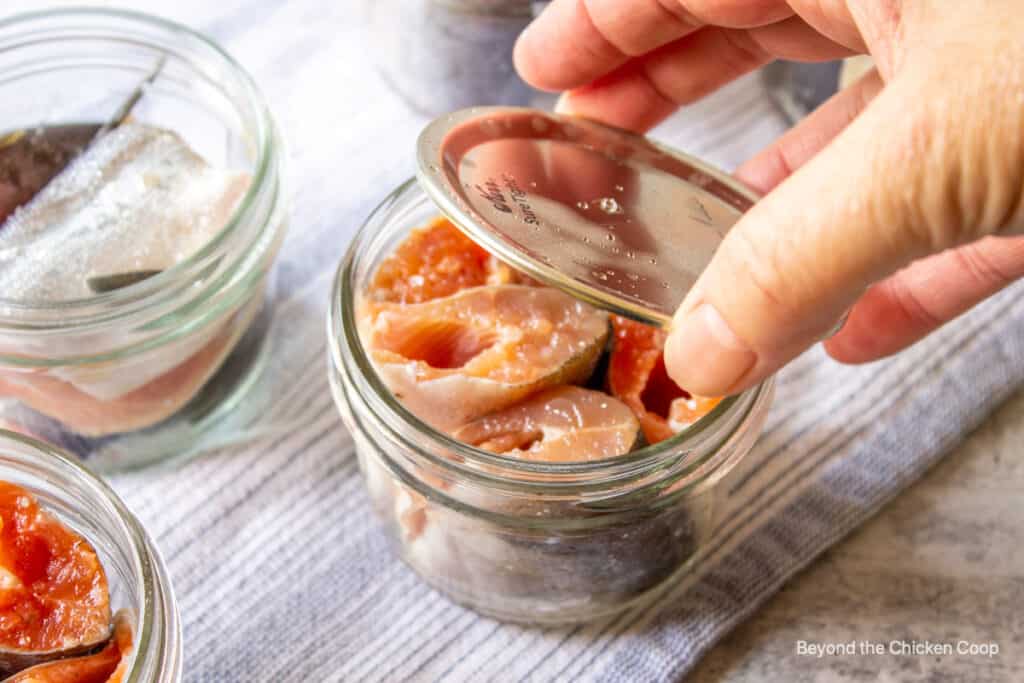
[(146, 559), (342, 327), (90, 311)]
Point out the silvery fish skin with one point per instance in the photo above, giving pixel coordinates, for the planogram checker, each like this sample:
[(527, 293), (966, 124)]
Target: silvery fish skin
[(29, 159), (137, 199)]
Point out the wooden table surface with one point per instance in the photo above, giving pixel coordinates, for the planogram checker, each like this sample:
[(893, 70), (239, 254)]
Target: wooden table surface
[(943, 562)]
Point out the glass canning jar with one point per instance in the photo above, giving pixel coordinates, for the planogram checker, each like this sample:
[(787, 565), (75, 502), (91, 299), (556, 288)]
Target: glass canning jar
[(525, 541), (136, 573), (134, 375), (442, 55)]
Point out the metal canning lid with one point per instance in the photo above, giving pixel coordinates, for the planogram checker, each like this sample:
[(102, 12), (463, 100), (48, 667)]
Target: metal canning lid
[(608, 216)]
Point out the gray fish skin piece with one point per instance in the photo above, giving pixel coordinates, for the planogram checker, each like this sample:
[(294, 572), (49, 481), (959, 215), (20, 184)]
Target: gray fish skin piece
[(137, 199), (109, 283), (29, 159)]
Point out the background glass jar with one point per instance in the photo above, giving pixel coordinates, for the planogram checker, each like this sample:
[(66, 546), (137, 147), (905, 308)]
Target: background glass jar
[(525, 541), (443, 55), (135, 571), (133, 375)]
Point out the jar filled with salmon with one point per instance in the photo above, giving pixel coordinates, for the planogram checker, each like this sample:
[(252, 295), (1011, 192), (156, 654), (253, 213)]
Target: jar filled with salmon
[(525, 449), (85, 596), (141, 210)]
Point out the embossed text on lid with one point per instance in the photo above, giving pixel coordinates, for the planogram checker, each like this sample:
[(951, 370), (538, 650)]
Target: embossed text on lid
[(607, 215)]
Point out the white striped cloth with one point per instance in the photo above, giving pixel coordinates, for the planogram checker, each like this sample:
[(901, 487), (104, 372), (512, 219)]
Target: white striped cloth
[(280, 570)]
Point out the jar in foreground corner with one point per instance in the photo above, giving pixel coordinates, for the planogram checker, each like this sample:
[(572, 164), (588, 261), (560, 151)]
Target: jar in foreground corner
[(525, 541), (139, 587)]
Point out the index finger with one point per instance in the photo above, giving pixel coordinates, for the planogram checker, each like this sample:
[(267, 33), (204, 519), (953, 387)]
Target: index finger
[(573, 42)]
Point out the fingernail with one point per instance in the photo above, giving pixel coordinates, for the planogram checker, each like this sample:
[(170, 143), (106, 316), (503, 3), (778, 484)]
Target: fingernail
[(838, 327), (703, 355)]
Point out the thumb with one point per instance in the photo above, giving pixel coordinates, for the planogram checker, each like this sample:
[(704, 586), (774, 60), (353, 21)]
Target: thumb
[(914, 174)]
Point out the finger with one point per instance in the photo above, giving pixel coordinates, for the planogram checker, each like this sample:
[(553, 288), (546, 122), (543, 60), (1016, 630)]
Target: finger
[(909, 177), (627, 99), (574, 42), (799, 144), (915, 301), (794, 39), (644, 91)]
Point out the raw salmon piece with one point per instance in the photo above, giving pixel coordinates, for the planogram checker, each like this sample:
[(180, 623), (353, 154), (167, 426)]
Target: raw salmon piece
[(454, 359), (685, 411), (145, 406), (436, 261), (106, 666), (562, 424), (53, 590), (637, 376)]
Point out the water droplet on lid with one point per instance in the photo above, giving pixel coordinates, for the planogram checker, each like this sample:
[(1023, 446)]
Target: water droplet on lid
[(654, 261), (533, 183), (609, 205), (633, 276), (583, 205), (664, 284), (620, 188), (610, 237)]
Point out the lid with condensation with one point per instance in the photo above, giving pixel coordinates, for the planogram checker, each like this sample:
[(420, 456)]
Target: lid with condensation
[(609, 216)]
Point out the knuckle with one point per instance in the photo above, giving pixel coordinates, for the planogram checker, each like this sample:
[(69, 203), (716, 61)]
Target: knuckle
[(679, 9), (910, 306), (604, 46), (757, 272), (611, 20), (962, 161), (736, 52), (662, 85), (744, 52), (988, 273), (732, 13), (933, 202)]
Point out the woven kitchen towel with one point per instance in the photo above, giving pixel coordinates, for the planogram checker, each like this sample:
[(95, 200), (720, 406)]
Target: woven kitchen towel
[(279, 567)]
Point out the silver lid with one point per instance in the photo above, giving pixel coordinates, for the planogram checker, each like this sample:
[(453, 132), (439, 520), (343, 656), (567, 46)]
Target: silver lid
[(609, 216)]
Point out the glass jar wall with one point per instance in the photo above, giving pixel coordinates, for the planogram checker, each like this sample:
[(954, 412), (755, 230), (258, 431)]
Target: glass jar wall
[(136, 574), (135, 374), (526, 541)]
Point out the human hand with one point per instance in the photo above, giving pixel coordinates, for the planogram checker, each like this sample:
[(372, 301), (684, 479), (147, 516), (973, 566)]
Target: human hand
[(897, 200)]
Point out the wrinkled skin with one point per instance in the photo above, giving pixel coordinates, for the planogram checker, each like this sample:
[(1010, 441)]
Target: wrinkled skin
[(900, 200)]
